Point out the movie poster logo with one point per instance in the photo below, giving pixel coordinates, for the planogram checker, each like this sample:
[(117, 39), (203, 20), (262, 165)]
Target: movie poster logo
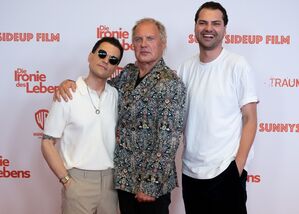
[(250, 39), (278, 127), (28, 37), (281, 82), (7, 172), (122, 35), (40, 118), (32, 82), (251, 178)]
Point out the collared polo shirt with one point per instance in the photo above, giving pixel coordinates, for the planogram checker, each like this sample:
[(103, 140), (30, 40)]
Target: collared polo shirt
[(87, 139)]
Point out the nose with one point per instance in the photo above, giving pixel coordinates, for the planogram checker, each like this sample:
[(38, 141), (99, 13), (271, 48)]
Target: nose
[(105, 58), (143, 42), (208, 27)]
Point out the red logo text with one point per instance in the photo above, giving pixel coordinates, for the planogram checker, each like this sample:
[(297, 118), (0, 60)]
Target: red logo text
[(279, 127), (32, 82), (122, 35), (28, 37), (5, 172), (254, 178), (250, 39), (284, 82)]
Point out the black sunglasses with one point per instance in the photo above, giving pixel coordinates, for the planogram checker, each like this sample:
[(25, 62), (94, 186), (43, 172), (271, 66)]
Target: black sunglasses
[(112, 59)]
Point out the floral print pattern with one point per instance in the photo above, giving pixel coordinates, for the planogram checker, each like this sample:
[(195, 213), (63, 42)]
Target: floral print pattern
[(149, 129)]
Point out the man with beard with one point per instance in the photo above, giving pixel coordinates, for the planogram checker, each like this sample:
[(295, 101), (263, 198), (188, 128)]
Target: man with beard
[(221, 119)]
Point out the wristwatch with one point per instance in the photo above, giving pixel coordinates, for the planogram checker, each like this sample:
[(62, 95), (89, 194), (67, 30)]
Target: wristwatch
[(64, 179)]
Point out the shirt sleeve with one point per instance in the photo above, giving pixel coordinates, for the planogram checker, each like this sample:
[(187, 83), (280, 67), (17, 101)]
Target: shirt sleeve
[(57, 119), (246, 88)]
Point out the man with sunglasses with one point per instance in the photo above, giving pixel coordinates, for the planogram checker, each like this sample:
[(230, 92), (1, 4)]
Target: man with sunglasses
[(85, 127), (150, 124)]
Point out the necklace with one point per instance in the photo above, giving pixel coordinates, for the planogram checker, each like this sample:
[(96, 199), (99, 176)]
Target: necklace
[(97, 110)]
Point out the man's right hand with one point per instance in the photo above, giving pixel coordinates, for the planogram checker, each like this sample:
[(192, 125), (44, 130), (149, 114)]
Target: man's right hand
[(64, 91)]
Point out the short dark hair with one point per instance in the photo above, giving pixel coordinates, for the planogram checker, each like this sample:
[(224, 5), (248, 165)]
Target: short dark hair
[(111, 40), (214, 6)]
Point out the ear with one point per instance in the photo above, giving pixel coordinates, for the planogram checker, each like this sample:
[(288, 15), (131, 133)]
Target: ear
[(89, 57)]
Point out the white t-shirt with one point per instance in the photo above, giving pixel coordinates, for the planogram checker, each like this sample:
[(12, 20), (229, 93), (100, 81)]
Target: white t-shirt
[(87, 139), (216, 91)]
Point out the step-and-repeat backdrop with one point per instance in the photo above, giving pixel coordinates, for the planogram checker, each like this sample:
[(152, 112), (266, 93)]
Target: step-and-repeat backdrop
[(45, 42)]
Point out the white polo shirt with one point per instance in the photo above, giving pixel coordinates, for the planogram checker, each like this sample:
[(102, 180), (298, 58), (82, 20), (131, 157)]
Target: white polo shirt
[(87, 139), (216, 91)]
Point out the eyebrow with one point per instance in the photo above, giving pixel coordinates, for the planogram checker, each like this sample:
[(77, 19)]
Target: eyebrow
[(203, 20)]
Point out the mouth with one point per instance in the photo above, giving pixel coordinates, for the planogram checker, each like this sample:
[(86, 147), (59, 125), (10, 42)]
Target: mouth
[(208, 36), (144, 52), (102, 66)]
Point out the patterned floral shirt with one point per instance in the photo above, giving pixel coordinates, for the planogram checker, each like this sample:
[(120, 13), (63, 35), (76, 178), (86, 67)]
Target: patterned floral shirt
[(149, 130)]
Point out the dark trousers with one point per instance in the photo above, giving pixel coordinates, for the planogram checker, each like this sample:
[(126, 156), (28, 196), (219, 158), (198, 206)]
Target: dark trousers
[(226, 193), (129, 205)]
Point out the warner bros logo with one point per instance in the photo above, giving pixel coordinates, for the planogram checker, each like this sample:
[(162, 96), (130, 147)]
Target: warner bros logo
[(40, 117)]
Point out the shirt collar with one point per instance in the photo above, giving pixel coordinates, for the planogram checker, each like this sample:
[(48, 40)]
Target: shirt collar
[(82, 86)]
